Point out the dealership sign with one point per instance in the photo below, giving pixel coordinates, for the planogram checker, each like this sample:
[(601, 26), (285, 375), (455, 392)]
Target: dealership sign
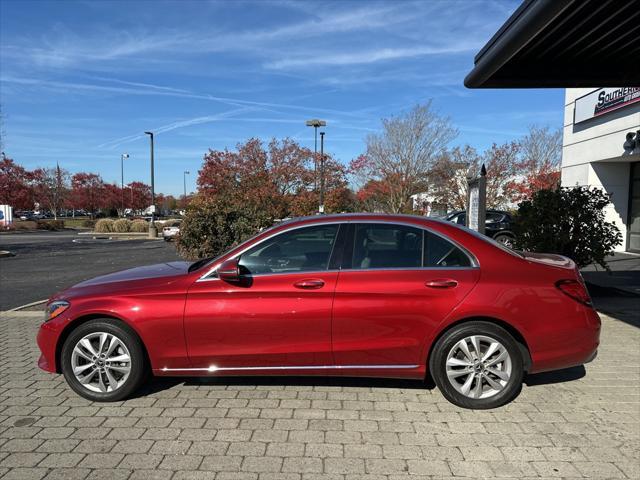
[(603, 101)]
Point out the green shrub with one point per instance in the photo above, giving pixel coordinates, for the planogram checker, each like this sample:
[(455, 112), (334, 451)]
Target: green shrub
[(89, 223), (122, 225), (104, 225), (139, 226), (569, 222), (210, 227)]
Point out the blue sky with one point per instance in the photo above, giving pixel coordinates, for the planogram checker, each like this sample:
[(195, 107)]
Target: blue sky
[(81, 80)]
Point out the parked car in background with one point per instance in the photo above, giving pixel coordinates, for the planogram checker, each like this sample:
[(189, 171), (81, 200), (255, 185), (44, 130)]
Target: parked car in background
[(498, 225), (368, 295), (170, 229)]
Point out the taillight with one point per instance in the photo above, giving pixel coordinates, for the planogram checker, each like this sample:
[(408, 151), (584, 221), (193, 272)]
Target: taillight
[(576, 290)]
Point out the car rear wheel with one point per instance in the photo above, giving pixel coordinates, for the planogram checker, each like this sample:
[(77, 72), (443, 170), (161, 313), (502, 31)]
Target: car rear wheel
[(477, 365), (103, 361), (506, 240)]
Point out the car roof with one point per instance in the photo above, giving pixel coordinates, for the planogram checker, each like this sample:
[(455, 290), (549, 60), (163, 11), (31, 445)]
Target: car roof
[(346, 217)]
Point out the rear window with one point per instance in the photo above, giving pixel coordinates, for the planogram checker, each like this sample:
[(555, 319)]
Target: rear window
[(440, 252)]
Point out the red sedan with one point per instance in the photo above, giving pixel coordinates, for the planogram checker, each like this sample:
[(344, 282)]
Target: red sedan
[(341, 295)]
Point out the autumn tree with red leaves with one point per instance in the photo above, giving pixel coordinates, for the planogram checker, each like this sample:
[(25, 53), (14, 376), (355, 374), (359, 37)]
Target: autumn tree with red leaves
[(50, 188), (243, 190), (137, 195), (15, 185), (87, 192)]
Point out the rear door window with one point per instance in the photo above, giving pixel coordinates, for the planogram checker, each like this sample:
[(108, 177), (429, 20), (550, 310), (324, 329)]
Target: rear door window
[(386, 246)]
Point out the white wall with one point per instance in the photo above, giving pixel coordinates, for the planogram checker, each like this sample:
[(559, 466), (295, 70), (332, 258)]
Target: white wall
[(593, 154)]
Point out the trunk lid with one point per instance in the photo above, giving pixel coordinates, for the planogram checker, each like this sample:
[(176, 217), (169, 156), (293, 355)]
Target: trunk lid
[(550, 259)]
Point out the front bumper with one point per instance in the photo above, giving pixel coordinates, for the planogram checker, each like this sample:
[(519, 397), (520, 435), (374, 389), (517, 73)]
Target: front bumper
[(47, 340)]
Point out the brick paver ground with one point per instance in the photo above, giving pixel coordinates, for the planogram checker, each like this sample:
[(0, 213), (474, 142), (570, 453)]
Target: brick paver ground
[(298, 429)]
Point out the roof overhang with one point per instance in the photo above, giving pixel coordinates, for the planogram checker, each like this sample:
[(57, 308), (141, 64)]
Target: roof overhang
[(563, 43)]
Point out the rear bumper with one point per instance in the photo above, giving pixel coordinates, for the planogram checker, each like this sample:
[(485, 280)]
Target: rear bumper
[(575, 344)]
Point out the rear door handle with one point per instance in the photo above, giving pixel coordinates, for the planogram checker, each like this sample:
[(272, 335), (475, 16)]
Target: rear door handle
[(441, 283), (309, 284)]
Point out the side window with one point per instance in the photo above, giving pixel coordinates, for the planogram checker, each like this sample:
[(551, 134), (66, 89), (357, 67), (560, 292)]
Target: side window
[(386, 246), (442, 253), (300, 250), (493, 217)]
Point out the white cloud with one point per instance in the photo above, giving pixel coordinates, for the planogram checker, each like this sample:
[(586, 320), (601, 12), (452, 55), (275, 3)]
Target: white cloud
[(365, 57)]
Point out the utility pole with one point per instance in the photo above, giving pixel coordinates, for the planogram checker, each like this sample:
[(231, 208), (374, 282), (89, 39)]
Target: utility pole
[(315, 123), (122, 157), (184, 179), (153, 233), (321, 207)]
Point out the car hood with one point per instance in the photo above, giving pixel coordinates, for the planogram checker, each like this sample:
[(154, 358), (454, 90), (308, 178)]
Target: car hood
[(139, 273), (130, 278)]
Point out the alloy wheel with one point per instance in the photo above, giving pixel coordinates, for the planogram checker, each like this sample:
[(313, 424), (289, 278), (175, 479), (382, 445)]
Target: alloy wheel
[(478, 366), (101, 362)]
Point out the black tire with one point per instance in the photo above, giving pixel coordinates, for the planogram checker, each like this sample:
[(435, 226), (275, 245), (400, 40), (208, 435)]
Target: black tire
[(139, 368), (438, 365)]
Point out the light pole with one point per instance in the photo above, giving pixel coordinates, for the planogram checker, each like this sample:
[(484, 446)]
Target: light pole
[(122, 157), (153, 233), (321, 207), (315, 123), (184, 179)]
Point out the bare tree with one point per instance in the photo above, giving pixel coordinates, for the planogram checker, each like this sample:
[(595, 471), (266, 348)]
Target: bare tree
[(448, 177), (401, 156), (541, 149)]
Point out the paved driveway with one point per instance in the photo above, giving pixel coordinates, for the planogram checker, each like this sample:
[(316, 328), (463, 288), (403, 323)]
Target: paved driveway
[(584, 426)]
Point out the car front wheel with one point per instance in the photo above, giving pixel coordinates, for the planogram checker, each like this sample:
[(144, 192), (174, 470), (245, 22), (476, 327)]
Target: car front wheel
[(103, 361), (477, 365)]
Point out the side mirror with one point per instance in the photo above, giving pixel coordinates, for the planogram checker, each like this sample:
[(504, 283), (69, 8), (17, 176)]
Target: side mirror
[(229, 271)]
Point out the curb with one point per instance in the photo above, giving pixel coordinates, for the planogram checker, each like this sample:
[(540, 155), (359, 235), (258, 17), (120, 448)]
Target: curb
[(11, 313), (118, 236), (22, 307)]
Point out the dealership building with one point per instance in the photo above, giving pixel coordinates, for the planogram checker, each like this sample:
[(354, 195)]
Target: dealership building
[(601, 148), (580, 45)]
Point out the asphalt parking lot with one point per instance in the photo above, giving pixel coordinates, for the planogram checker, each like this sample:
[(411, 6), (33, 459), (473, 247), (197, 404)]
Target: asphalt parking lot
[(46, 262)]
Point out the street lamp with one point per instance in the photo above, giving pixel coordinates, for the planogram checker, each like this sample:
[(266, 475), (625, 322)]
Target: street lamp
[(321, 207), (122, 157), (153, 233), (315, 123), (184, 179)]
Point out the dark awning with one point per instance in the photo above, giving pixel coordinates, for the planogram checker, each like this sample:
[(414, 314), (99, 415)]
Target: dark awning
[(563, 43)]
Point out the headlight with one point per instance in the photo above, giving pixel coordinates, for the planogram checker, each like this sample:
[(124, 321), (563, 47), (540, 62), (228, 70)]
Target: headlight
[(54, 309)]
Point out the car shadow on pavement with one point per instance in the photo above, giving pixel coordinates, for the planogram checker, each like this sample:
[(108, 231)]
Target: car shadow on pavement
[(557, 376), (158, 384)]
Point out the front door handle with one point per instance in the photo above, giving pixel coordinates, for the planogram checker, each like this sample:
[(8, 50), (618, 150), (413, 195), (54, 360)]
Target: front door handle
[(309, 284), (441, 283)]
